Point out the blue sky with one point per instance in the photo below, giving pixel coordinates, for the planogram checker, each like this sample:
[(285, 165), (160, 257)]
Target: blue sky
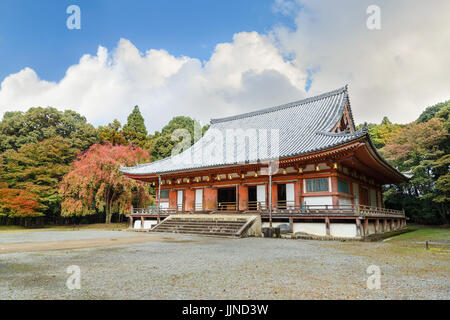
[(215, 58), (34, 34)]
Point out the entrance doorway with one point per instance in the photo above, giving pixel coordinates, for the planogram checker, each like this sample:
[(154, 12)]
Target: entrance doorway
[(252, 198), (226, 199), (281, 196), (286, 196)]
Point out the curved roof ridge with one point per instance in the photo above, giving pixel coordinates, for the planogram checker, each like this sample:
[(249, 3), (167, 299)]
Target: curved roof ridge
[(281, 107)]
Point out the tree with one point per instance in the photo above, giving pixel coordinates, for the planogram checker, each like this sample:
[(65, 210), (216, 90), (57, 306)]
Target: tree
[(422, 149), (37, 124), (39, 168), (95, 183), (17, 202), (431, 112), (381, 133), (135, 131), (162, 142), (111, 133)]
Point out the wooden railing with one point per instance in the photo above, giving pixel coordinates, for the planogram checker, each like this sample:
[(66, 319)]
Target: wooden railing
[(256, 205), (227, 206), (285, 208)]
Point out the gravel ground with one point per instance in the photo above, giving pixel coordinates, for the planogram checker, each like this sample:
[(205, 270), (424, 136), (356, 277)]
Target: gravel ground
[(194, 267)]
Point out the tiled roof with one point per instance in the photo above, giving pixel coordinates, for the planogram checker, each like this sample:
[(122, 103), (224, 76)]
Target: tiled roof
[(304, 127)]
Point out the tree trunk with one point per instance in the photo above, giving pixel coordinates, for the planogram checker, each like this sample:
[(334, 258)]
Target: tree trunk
[(108, 214)]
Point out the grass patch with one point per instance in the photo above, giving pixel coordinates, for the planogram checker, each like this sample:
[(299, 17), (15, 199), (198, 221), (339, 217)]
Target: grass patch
[(423, 233)]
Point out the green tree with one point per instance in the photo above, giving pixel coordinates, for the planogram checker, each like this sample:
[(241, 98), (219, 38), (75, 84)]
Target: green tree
[(135, 131), (111, 133), (163, 142), (38, 168), (37, 124), (422, 149), (431, 112)]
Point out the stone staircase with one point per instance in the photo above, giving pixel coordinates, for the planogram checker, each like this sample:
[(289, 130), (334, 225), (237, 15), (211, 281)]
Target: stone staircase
[(211, 225)]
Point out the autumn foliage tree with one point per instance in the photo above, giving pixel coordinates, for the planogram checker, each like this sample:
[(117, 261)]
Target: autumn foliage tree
[(95, 184), (18, 203), (38, 167)]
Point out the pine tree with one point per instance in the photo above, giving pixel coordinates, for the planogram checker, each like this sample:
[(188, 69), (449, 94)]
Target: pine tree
[(135, 131)]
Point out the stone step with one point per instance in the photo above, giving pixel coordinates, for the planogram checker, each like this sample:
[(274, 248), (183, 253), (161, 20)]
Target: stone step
[(216, 226), (201, 223), (225, 228), (209, 221)]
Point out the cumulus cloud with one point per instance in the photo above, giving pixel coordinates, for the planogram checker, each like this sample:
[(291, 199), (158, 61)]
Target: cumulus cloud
[(395, 71), (237, 78)]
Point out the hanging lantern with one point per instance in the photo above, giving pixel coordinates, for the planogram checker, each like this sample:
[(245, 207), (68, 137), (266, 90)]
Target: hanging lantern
[(335, 165), (317, 167), (243, 176), (188, 180), (230, 176), (256, 174), (284, 171), (300, 170)]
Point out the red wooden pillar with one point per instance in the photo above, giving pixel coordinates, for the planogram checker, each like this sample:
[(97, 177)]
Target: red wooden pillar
[(384, 225), (334, 190), (297, 192), (274, 194), (243, 198)]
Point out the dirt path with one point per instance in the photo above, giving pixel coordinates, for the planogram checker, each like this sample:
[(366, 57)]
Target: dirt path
[(77, 244)]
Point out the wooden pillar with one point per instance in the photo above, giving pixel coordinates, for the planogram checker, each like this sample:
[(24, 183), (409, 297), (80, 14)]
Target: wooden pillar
[(366, 227), (297, 193), (358, 227), (291, 224), (327, 223), (131, 221), (384, 225), (377, 225), (142, 222), (391, 223), (243, 198), (334, 190), (274, 194)]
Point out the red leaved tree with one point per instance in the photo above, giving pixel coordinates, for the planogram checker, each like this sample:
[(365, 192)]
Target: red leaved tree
[(95, 183), (17, 202)]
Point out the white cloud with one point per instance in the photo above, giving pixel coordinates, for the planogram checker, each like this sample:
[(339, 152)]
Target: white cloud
[(396, 71), (237, 78)]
